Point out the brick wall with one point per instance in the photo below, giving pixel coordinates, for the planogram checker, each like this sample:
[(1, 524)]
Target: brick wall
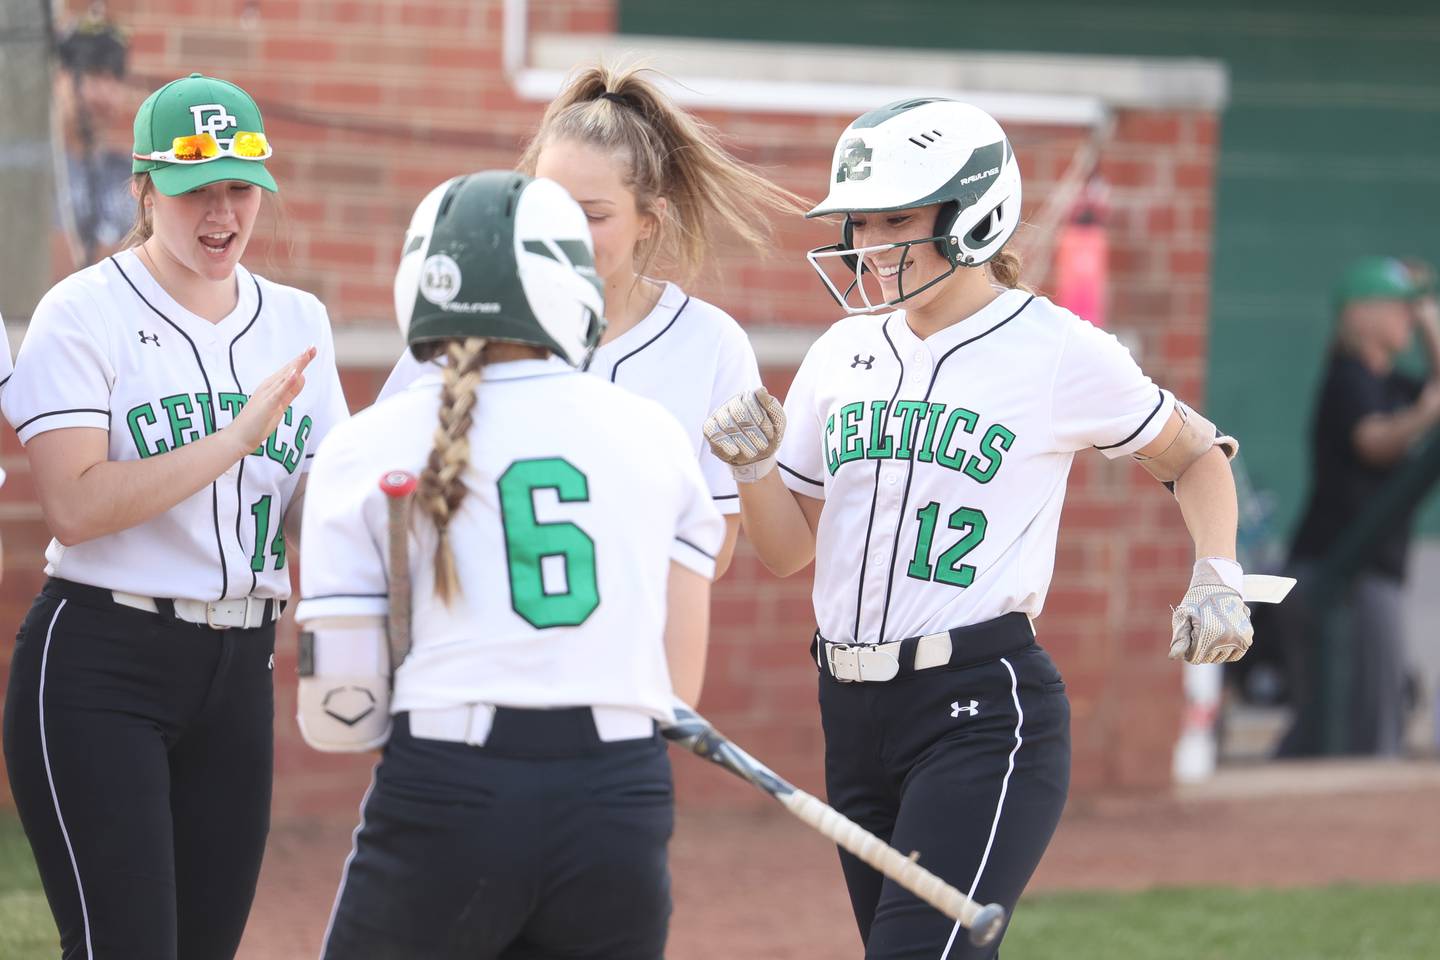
[(372, 102)]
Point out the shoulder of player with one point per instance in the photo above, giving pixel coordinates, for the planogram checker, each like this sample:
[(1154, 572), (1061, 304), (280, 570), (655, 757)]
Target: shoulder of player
[(369, 434), (86, 297), (705, 321), (292, 300), (605, 401)]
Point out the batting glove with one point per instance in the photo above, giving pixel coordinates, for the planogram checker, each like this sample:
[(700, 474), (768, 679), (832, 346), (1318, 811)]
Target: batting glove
[(1212, 623), (745, 432)]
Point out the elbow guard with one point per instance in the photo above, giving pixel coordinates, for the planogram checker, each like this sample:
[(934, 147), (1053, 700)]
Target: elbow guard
[(344, 694), (1197, 435)]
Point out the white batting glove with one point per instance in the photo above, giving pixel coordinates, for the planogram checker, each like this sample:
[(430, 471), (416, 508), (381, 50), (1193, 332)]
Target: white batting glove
[(745, 432), (1212, 623)]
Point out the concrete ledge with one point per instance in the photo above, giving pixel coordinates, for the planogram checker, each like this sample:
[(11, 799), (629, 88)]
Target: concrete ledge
[(834, 79), (1312, 777)]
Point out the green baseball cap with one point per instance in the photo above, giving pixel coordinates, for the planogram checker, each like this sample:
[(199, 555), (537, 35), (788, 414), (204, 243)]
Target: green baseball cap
[(1376, 278), (194, 105)]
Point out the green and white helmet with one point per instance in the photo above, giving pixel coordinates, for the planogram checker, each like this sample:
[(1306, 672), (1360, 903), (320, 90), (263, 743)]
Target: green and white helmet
[(503, 256), (913, 153)]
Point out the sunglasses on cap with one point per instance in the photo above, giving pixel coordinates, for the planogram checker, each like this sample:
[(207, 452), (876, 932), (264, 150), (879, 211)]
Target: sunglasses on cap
[(201, 147)]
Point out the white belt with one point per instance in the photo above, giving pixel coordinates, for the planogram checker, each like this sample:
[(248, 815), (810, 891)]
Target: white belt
[(879, 661), (471, 723), (244, 613)]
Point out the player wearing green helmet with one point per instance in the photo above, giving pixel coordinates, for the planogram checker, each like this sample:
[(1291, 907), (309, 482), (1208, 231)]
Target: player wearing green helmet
[(561, 563)]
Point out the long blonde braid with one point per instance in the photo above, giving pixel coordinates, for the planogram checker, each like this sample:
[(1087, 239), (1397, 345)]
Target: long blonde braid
[(442, 485)]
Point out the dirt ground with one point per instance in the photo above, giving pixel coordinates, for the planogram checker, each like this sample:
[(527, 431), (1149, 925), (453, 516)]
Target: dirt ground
[(762, 886)]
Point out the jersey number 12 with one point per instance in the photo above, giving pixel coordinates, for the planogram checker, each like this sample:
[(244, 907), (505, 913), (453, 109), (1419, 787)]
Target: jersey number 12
[(529, 543), (948, 568)]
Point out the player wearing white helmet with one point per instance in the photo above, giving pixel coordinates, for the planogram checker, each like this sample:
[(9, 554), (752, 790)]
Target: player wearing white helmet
[(561, 566), (657, 188), (168, 415), (923, 465)]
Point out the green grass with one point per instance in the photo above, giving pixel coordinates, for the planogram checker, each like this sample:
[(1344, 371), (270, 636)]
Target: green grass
[(1343, 922), (1323, 923), (26, 930)]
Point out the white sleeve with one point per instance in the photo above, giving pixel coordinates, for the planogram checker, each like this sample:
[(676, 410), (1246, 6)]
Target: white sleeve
[(63, 375), (699, 527), (407, 370), (5, 369), (802, 452), (1101, 398), (330, 407), (736, 372), (343, 530)]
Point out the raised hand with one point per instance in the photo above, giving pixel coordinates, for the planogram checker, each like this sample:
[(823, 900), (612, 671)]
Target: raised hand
[(266, 406), (745, 432)]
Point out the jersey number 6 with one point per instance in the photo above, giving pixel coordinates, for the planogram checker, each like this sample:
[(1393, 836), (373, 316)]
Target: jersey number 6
[(948, 568), (529, 543)]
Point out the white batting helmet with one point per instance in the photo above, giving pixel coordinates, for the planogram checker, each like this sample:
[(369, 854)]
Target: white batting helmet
[(914, 153)]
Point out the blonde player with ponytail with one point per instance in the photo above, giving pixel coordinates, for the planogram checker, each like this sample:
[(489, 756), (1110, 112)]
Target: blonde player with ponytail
[(658, 189), (560, 558)]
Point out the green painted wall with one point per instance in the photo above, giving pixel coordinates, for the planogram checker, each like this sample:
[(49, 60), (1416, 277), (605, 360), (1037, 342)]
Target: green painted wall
[(1330, 149)]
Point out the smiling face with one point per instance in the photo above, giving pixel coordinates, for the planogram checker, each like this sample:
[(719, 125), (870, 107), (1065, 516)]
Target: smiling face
[(596, 179), (206, 230), (922, 262)]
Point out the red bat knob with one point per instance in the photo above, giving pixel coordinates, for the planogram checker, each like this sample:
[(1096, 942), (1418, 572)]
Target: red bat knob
[(398, 483)]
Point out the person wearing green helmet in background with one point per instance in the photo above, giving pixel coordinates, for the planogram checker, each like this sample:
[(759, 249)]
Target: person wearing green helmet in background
[(1368, 417)]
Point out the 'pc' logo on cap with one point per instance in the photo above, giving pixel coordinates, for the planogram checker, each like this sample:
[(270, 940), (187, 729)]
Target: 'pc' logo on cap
[(212, 118)]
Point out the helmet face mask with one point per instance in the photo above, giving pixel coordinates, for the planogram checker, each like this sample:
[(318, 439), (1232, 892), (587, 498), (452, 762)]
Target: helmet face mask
[(502, 256), (911, 154)]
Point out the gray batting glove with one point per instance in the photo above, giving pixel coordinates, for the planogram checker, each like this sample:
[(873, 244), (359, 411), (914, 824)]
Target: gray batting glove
[(745, 432), (1212, 623)]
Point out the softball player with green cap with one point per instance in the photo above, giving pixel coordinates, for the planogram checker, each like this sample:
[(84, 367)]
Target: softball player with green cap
[(169, 417)]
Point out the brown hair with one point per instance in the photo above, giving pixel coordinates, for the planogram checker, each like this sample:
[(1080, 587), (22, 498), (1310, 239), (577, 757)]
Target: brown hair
[(144, 226), (667, 153), (1005, 269), (442, 485)]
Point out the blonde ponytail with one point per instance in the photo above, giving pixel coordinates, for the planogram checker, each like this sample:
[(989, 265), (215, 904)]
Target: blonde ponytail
[(667, 153), (442, 486)]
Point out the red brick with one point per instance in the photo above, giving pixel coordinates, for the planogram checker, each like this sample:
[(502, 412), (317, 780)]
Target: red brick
[(1190, 263), (1148, 128), (308, 52), (1200, 176)]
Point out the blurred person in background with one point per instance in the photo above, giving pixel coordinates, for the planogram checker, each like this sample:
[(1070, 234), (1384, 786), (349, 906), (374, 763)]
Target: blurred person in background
[(1368, 418), (93, 176)]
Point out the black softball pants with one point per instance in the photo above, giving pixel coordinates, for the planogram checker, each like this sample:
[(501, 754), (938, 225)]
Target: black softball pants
[(544, 843), (967, 764), (140, 752)]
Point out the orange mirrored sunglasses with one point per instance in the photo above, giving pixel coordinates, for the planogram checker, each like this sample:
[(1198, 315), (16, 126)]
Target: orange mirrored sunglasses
[(202, 147)]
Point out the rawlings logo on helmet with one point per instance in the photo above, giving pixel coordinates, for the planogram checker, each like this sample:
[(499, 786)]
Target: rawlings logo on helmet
[(855, 163)]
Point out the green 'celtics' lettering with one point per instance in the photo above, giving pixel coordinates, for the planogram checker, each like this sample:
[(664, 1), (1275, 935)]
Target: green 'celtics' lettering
[(958, 415), (302, 434), (832, 461), (178, 408), (851, 446), (180, 418), (942, 442), (997, 434), (132, 419), (529, 542), (881, 447)]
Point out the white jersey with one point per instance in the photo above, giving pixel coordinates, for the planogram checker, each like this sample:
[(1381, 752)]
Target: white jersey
[(579, 495), (109, 349), (5, 369), (688, 355), (942, 462)]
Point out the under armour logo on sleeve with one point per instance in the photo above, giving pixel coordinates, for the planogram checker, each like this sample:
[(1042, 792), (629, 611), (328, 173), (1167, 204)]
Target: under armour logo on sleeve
[(867, 361), (972, 708), (149, 338)]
